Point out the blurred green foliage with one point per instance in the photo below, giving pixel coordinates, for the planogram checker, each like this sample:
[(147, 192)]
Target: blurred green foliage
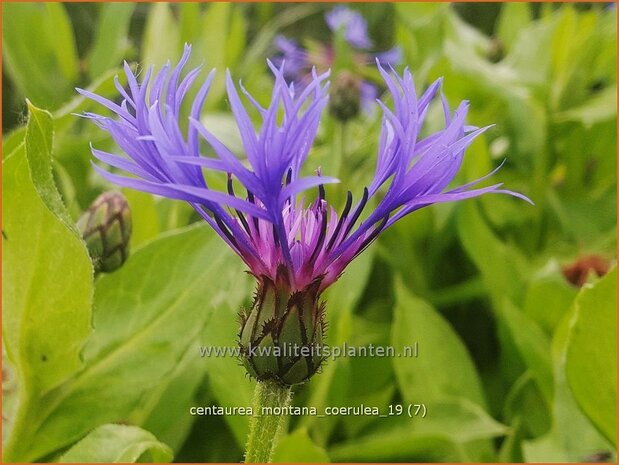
[(516, 363)]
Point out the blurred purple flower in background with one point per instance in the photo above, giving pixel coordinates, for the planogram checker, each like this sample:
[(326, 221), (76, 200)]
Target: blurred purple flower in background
[(300, 61), (354, 26)]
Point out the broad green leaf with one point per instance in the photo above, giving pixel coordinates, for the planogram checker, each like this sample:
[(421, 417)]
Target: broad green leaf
[(532, 344), (12, 140), (118, 444), (530, 54), (591, 359), (573, 438), (39, 142), (237, 40), (402, 447), (514, 18), (443, 367), (176, 396), (111, 37), (148, 317), (189, 17), (598, 108), (179, 394), (223, 23), (144, 216), (525, 405), (372, 380), (441, 436), (33, 38), (510, 450), (60, 31), (297, 447), (47, 285), (330, 387), (223, 372), (501, 267), (461, 420), (160, 42), (548, 297)]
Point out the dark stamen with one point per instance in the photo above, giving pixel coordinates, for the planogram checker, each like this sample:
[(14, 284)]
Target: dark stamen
[(367, 241), (275, 236), (238, 212), (288, 180), (288, 176), (357, 213), (323, 233), (251, 198), (341, 220), (226, 231)]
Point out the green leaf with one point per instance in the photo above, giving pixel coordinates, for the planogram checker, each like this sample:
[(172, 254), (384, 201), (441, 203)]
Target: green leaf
[(502, 268), (158, 47), (12, 140), (148, 318), (47, 285), (330, 386), (597, 109), (60, 31), (144, 216), (443, 368), (573, 438), (224, 372), (189, 21), (401, 447), (533, 346), (514, 18), (166, 414), (118, 444), (111, 41), (223, 24), (32, 48), (548, 297), (591, 359), (298, 447), (525, 406), (39, 141), (441, 436)]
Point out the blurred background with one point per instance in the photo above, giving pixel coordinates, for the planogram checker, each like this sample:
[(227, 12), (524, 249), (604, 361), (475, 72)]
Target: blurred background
[(509, 303)]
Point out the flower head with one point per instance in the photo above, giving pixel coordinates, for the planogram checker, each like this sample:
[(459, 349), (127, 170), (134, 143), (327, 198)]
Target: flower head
[(270, 224), (295, 248)]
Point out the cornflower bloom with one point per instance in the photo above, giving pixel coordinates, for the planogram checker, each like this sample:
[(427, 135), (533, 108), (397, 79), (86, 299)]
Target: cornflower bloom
[(355, 92), (294, 248)]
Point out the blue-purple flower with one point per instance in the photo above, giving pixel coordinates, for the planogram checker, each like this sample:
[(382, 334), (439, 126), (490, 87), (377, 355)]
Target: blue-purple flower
[(353, 24), (269, 224), (301, 61), (295, 247)]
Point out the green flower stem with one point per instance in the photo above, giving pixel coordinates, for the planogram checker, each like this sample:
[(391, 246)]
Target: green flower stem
[(264, 430)]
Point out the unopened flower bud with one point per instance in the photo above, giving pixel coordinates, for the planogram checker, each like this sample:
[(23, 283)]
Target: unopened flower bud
[(106, 229), (345, 96), (282, 332)]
